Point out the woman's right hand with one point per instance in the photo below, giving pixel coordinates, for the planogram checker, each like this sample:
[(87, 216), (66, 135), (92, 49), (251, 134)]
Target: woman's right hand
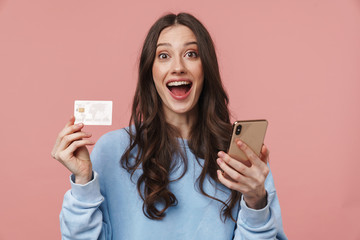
[(70, 150)]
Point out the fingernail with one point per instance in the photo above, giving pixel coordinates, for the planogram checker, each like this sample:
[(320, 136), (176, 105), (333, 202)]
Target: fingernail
[(219, 161), (79, 124), (240, 143), (221, 154)]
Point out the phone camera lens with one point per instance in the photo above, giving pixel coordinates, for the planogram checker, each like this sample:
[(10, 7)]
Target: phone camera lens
[(238, 130)]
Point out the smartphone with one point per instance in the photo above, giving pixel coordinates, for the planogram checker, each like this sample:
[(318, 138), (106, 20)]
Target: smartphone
[(252, 133)]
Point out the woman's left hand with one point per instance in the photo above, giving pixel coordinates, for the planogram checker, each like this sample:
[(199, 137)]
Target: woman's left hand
[(250, 181)]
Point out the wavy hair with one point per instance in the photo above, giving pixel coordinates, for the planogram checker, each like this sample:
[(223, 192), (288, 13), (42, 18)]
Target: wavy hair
[(155, 141)]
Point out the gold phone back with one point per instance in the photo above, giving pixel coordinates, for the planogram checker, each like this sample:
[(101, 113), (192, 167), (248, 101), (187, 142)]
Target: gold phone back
[(252, 133)]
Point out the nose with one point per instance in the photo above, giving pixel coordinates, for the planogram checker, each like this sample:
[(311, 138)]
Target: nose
[(178, 66)]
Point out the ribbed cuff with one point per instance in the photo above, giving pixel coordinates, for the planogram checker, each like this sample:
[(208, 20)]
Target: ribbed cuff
[(255, 217), (89, 192)]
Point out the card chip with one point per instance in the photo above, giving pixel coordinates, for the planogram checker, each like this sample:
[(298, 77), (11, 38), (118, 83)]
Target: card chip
[(81, 110)]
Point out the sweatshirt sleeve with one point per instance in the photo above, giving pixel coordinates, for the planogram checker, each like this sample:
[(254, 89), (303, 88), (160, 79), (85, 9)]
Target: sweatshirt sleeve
[(84, 213), (81, 216), (263, 223)]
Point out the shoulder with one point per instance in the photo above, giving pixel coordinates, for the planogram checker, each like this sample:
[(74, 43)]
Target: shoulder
[(107, 152), (114, 138), (110, 146)]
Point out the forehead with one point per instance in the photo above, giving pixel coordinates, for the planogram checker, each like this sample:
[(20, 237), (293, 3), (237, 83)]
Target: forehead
[(176, 34)]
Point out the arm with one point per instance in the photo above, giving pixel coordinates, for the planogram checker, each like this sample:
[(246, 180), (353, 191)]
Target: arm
[(82, 215), (84, 208), (265, 223), (259, 216)]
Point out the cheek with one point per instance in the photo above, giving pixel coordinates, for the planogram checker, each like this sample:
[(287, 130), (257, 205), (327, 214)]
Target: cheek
[(159, 70), (200, 75), (157, 78), (198, 71), (155, 72)]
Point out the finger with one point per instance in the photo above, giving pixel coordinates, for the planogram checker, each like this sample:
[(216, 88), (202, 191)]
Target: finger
[(68, 139), (58, 139), (68, 152), (235, 164), (65, 131), (233, 174), (264, 155), (70, 129), (70, 122), (230, 184), (253, 158)]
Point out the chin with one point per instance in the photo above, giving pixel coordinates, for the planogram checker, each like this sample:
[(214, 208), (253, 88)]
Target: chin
[(182, 109)]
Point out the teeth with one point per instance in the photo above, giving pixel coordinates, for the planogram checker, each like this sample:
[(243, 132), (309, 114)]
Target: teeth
[(178, 83)]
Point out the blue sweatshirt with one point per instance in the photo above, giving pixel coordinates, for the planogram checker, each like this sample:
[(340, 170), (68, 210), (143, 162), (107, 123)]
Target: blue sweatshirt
[(109, 206)]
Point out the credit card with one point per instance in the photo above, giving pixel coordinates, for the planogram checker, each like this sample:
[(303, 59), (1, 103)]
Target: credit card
[(93, 112)]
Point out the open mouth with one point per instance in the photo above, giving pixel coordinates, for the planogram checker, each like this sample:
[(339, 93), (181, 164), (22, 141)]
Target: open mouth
[(179, 88)]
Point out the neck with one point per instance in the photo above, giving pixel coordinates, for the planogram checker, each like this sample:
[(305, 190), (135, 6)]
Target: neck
[(182, 121)]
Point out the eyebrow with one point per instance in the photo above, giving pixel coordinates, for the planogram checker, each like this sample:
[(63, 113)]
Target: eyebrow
[(168, 44)]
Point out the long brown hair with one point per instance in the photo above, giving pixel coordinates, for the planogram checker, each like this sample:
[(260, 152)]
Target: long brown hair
[(155, 140)]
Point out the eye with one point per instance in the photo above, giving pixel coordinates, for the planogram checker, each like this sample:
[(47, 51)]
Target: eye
[(163, 56), (192, 54)]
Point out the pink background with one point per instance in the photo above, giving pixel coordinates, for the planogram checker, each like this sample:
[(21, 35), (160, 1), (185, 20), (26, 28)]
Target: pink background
[(295, 63)]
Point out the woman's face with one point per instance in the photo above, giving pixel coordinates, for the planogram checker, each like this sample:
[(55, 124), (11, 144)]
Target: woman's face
[(177, 70)]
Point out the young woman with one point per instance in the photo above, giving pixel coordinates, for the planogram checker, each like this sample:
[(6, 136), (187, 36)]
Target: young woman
[(167, 175)]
